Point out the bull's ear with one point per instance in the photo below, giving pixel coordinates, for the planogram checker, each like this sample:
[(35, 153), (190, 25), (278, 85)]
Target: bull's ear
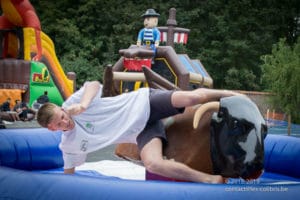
[(216, 117), (264, 131)]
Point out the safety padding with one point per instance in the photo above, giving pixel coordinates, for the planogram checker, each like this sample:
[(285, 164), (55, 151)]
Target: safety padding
[(30, 149), (23, 185), (38, 149), (282, 155)]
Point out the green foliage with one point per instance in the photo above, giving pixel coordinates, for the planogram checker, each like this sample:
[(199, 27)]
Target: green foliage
[(236, 33), (85, 69), (243, 78), (225, 35), (282, 76)]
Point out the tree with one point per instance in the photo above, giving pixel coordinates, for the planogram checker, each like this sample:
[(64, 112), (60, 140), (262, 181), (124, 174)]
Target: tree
[(282, 76), (234, 34), (243, 78), (225, 35)]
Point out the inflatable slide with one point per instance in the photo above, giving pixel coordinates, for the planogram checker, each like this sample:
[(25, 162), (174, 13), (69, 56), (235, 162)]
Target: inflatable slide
[(50, 60), (34, 77)]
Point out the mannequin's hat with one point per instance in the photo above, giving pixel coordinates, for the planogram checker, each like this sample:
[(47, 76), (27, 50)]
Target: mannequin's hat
[(150, 13)]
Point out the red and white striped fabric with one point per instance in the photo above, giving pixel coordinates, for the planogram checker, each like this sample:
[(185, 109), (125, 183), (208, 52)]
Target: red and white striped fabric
[(163, 36), (178, 37)]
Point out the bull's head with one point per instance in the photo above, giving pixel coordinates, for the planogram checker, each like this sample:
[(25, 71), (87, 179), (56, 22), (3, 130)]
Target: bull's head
[(237, 133)]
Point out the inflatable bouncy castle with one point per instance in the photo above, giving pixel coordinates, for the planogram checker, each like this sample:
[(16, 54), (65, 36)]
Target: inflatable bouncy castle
[(28, 62), (164, 66)]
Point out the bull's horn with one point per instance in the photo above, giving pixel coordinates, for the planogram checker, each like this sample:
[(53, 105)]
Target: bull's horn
[(214, 105)]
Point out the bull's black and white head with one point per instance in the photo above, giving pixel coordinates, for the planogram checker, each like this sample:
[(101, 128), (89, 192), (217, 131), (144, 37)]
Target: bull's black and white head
[(237, 133)]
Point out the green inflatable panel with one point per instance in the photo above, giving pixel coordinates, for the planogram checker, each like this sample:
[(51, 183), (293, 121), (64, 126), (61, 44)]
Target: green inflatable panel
[(41, 81)]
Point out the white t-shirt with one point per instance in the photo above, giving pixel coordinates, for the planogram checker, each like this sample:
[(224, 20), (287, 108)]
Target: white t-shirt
[(106, 121)]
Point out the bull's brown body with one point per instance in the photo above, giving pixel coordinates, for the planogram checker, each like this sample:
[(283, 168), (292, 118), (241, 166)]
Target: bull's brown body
[(185, 144)]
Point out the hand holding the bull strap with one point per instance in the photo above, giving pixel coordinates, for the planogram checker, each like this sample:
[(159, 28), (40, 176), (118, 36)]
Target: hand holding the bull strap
[(228, 93), (76, 109)]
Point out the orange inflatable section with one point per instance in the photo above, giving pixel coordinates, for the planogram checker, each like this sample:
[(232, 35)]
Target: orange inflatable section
[(14, 94)]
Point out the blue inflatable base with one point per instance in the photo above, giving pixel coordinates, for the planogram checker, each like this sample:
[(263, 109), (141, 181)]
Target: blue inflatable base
[(31, 168), (24, 185)]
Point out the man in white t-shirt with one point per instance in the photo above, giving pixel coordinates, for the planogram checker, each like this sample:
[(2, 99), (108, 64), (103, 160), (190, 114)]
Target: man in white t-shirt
[(90, 123)]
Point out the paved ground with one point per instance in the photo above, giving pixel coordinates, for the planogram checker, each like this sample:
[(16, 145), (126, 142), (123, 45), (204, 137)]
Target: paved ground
[(103, 154), (21, 124)]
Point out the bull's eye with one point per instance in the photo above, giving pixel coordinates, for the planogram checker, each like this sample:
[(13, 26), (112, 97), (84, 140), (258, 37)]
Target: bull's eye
[(240, 127), (235, 124), (235, 127)]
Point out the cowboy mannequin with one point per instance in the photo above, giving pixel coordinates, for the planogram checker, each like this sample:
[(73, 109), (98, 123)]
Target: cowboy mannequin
[(149, 36)]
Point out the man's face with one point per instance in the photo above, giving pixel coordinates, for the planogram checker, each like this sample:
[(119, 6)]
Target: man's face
[(61, 121)]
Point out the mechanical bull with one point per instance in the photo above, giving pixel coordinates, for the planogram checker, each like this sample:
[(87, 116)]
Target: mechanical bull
[(224, 138)]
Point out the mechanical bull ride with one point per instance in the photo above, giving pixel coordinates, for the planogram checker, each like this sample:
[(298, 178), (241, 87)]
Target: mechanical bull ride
[(224, 138)]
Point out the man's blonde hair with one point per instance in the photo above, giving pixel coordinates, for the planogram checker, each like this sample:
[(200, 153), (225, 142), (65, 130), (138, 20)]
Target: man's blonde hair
[(45, 114)]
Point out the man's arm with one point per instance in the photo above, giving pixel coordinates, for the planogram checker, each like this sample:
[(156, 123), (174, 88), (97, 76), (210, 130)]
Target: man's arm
[(90, 91), (215, 94), (69, 171)]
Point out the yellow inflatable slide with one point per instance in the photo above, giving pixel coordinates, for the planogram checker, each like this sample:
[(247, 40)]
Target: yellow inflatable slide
[(49, 58)]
